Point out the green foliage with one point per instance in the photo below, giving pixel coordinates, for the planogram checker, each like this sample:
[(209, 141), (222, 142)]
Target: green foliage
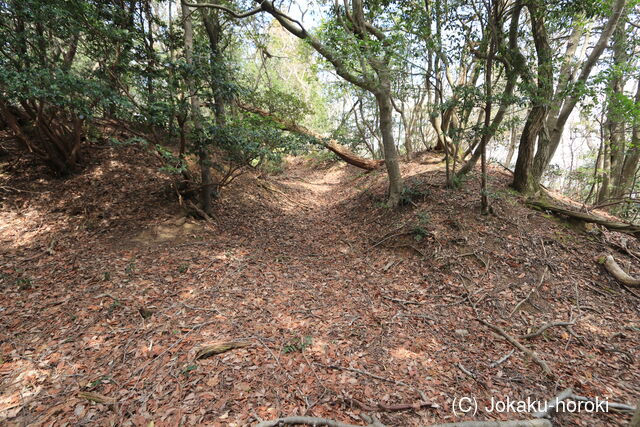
[(172, 164), (412, 192), (298, 344), (251, 140), (458, 180), (420, 230), (24, 283)]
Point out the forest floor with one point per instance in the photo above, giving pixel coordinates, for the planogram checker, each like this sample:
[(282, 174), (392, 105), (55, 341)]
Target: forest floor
[(342, 305)]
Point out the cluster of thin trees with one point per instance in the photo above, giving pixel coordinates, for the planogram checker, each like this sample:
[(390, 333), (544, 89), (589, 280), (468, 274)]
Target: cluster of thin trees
[(452, 75)]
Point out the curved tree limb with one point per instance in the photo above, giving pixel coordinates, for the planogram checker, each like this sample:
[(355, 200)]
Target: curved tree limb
[(617, 272), (237, 15), (340, 150)]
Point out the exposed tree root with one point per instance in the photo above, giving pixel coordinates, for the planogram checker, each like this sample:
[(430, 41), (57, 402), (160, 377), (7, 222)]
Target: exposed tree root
[(617, 272), (519, 346), (544, 327)]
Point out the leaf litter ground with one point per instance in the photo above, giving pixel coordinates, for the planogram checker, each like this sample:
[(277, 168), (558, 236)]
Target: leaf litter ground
[(342, 306)]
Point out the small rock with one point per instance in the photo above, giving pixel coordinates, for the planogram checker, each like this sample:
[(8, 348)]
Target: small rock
[(462, 332)]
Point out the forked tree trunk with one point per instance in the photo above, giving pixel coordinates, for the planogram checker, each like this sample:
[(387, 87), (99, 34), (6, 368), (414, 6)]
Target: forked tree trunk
[(523, 177), (523, 180), (548, 148)]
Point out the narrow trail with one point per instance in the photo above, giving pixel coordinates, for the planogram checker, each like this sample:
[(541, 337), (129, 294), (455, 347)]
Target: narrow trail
[(337, 325)]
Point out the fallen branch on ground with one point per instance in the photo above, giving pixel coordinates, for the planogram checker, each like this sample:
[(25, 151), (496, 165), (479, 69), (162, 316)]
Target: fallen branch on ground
[(551, 405), (622, 227), (535, 288), (519, 346), (610, 405), (502, 359), (617, 272), (211, 349), (544, 328)]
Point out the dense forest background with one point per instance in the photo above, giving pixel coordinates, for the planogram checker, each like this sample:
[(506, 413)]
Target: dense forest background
[(547, 89)]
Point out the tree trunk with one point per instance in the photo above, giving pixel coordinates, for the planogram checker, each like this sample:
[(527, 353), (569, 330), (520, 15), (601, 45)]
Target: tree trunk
[(522, 176), (512, 145), (548, 148), (633, 153), (524, 179), (203, 155), (603, 194), (383, 98)]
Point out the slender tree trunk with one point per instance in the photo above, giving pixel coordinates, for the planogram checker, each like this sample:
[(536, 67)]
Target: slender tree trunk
[(615, 116), (513, 140), (203, 155), (383, 99), (487, 128)]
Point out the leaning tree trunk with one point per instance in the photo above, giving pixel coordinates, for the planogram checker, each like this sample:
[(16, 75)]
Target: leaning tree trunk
[(547, 150), (331, 144), (383, 99)]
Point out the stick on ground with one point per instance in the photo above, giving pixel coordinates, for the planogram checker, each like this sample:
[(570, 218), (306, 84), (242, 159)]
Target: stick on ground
[(519, 346)]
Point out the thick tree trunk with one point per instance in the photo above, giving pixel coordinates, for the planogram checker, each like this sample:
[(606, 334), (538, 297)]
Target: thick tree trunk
[(524, 179), (633, 154), (383, 98)]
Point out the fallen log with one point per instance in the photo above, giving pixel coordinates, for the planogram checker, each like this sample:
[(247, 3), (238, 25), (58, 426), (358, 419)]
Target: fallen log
[(617, 272), (622, 227), (340, 150)]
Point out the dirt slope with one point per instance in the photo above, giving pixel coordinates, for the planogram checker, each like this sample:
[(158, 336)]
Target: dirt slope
[(312, 271)]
